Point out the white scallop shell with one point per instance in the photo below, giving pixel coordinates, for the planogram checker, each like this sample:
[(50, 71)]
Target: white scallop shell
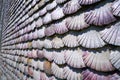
[(112, 35), (87, 2), (41, 32), (100, 16), (43, 11), (58, 57), (74, 58), (70, 75), (48, 55), (57, 13), (36, 15), (34, 53), (98, 61), (40, 44), (47, 18), (40, 65), (43, 76), (60, 1), (77, 22), (71, 7), (57, 43), (70, 41), (61, 28), (47, 43), (51, 5), (36, 75), (91, 39), (49, 31), (34, 63), (40, 54), (116, 8), (39, 22), (115, 59), (57, 71)]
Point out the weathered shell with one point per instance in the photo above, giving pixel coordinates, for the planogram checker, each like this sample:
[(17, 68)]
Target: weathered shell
[(116, 8), (51, 5), (91, 39), (87, 2), (47, 18), (49, 31)]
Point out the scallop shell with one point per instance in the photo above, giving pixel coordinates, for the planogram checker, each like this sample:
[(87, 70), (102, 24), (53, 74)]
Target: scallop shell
[(88, 75), (52, 78), (112, 35), (43, 76), (36, 75), (70, 41), (77, 22), (70, 75), (91, 39), (60, 1), (48, 55), (34, 53), (47, 18), (30, 71), (47, 67), (98, 61), (34, 63), (116, 8), (115, 59), (87, 2), (57, 43), (57, 71), (58, 57), (71, 7), (57, 13), (40, 54), (40, 44), (41, 32), (43, 11), (61, 28), (74, 58), (40, 65), (47, 43), (39, 22), (101, 16), (49, 31), (51, 5)]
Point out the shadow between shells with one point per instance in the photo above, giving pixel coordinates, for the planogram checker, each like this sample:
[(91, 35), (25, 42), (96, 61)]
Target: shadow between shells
[(66, 40)]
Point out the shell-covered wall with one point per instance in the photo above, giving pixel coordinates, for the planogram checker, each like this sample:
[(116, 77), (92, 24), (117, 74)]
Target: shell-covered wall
[(62, 40)]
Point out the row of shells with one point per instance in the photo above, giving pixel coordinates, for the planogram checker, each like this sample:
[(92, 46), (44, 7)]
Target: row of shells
[(61, 73), (74, 58)]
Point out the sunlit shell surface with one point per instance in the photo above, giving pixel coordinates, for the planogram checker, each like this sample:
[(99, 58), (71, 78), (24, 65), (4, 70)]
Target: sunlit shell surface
[(43, 11), (51, 5), (61, 27), (98, 61), (57, 13), (47, 18), (43, 76), (60, 1), (70, 41), (112, 35), (40, 65), (39, 22), (47, 43), (71, 75), (36, 75), (41, 32), (48, 55), (116, 7), (57, 43), (49, 31), (87, 2), (57, 71), (58, 57), (115, 59), (90, 39), (74, 58), (71, 7), (100, 16), (88, 75), (76, 23)]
